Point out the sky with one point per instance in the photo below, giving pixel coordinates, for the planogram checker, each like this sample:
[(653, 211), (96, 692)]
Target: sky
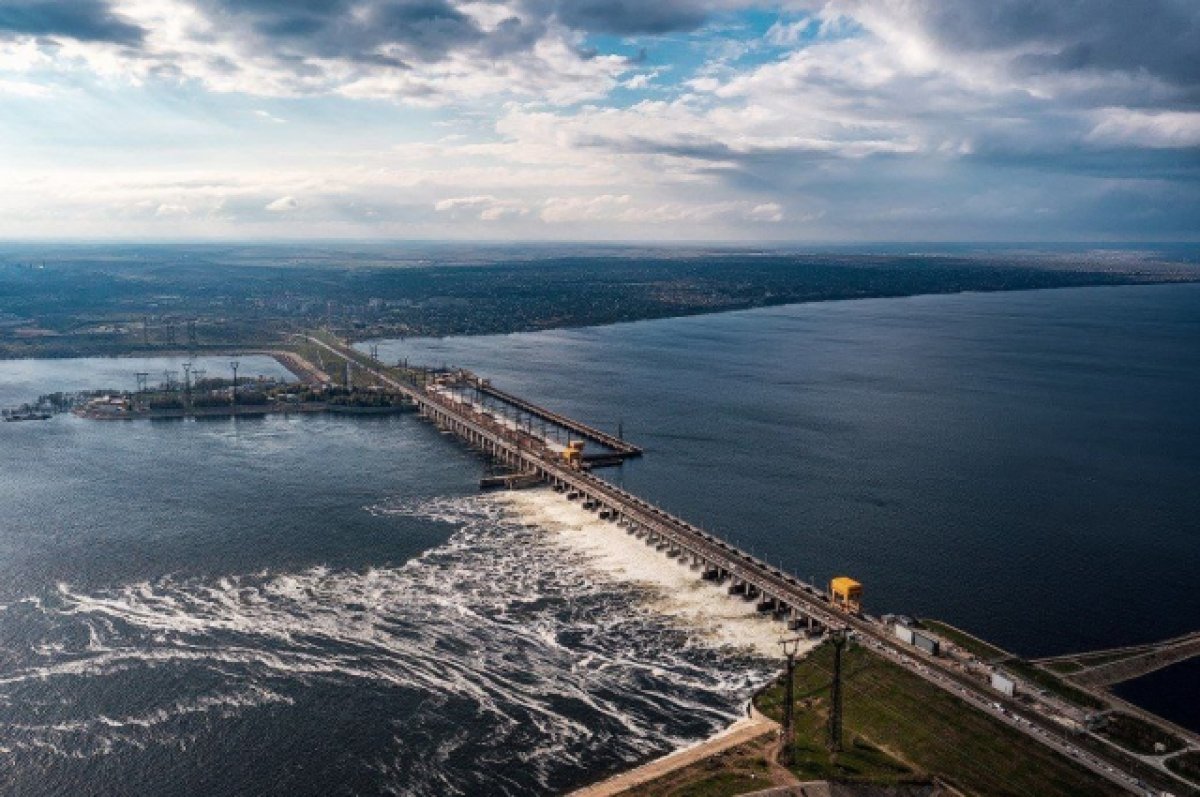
[(705, 120)]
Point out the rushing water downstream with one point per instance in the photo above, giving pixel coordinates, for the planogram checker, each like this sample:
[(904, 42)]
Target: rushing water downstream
[(326, 605)]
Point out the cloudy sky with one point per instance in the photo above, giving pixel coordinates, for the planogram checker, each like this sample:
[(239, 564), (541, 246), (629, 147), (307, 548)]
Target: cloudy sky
[(837, 120)]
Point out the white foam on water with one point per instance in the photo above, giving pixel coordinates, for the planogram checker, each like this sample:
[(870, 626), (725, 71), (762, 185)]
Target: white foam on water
[(676, 590), (567, 640)]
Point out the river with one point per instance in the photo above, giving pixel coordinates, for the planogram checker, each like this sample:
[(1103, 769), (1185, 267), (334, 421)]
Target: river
[(326, 605)]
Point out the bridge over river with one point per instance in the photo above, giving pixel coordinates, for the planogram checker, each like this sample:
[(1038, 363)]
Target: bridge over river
[(535, 458)]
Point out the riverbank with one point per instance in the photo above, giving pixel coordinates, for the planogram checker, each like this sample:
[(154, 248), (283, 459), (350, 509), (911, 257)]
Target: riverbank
[(137, 307), (278, 408), (745, 730)]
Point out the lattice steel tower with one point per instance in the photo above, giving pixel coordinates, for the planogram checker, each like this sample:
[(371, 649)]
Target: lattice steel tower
[(838, 638)]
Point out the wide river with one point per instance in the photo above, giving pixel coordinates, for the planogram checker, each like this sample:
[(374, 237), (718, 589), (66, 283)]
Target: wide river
[(325, 605)]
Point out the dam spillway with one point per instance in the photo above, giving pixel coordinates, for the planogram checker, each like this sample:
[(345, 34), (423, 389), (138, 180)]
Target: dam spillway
[(534, 457)]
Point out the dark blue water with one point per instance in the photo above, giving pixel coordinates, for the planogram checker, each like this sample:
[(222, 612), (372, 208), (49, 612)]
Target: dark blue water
[(1170, 693), (324, 605), (1024, 465), (310, 605)]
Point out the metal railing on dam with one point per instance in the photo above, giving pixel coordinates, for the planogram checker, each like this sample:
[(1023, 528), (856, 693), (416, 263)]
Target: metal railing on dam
[(617, 444)]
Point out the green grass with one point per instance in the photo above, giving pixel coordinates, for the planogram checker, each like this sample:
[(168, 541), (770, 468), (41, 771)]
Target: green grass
[(1186, 765), (732, 772), (1063, 667), (1096, 659), (966, 641), (1137, 735), (720, 785), (900, 728)]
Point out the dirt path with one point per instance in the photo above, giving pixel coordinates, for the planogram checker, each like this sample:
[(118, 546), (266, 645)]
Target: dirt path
[(740, 732)]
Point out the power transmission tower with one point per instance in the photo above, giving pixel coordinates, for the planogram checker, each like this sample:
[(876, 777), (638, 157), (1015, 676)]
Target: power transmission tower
[(791, 646), (191, 333), (234, 365), (838, 637), (142, 378), (187, 387)]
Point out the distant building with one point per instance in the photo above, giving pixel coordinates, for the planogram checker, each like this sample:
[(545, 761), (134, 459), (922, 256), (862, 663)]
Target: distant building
[(1003, 684), (926, 643)]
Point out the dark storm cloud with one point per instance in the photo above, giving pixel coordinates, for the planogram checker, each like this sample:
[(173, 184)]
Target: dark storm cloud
[(1158, 37), (431, 29), (388, 32), (427, 30), (83, 20), (631, 17)]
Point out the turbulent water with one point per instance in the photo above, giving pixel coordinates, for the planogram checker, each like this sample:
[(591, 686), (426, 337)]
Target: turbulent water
[(501, 662), (326, 605)]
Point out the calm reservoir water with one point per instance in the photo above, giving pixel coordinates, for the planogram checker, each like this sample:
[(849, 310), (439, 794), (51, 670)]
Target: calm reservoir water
[(322, 605), (1023, 464)]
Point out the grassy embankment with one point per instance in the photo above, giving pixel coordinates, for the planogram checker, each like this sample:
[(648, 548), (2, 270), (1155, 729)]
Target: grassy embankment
[(984, 650), (333, 364), (1186, 765), (899, 729), (736, 771), (1067, 666), (1137, 735)]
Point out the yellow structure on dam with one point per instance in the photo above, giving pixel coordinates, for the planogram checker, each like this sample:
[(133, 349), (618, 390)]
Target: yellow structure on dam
[(846, 593), (573, 454)]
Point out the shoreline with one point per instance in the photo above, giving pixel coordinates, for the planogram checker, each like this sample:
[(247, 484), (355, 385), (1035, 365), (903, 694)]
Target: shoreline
[(769, 306), (266, 347), (741, 731)]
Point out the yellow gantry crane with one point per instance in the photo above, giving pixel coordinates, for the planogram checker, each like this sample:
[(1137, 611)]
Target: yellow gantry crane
[(573, 454), (846, 593)]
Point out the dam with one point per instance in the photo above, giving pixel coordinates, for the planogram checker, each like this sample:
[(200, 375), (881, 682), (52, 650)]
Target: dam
[(538, 446), (444, 399)]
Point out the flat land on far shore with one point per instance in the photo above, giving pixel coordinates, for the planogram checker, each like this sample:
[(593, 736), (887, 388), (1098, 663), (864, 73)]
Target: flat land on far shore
[(105, 300)]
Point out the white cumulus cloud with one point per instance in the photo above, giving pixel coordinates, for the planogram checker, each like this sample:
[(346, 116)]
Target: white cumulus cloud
[(284, 204)]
